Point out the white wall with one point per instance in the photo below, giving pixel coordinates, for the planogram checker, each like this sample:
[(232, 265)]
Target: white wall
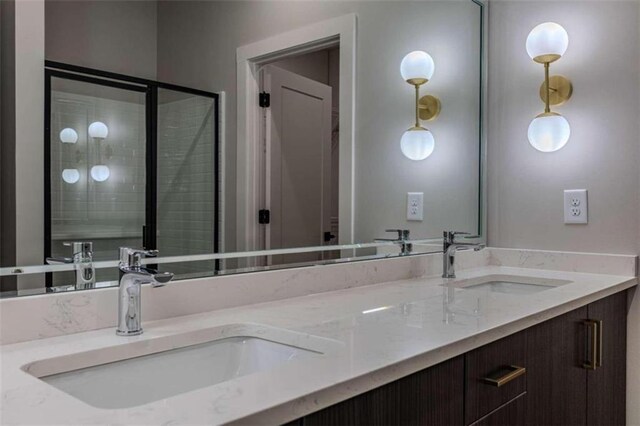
[(603, 155), (117, 36), (197, 47)]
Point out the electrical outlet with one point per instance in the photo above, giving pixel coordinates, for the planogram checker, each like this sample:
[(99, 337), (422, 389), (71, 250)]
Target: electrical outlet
[(415, 205), (575, 206)]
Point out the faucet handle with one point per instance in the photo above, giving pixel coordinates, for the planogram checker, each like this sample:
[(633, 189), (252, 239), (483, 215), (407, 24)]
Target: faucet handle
[(472, 237), (402, 233), (131, 257), (450, 236), (80, 247)]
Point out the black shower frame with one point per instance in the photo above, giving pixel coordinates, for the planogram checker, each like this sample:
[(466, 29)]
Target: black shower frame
[(150, 88)]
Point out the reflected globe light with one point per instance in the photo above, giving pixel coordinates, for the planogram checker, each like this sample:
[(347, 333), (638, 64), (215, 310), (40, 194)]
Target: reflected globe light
[(417, 67), (68, 135), (100, 173), (70, 175), (417, 143), (98, 130)]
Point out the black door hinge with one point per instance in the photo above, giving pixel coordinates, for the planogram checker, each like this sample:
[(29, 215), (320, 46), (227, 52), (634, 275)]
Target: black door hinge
[(264, 100), (264, 217), (328, 236)]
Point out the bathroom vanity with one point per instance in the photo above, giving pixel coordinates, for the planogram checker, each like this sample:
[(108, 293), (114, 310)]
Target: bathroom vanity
[(519, 337), (556, 373)]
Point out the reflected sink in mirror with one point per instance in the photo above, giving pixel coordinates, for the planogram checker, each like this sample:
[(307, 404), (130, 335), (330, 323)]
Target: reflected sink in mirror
[(128, 379)]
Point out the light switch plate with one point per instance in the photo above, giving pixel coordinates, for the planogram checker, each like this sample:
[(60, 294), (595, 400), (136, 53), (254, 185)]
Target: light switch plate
[(576, 208), (415, 205)]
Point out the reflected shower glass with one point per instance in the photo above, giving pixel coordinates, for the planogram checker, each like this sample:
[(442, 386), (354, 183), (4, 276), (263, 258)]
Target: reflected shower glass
[(187, 173), (97, 170)]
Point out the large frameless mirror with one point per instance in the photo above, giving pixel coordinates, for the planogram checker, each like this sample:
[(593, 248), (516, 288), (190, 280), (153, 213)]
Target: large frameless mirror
[(238, 136)]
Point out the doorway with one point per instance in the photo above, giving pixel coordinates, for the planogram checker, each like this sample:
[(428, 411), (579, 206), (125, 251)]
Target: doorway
[(285, 50), (301, 140)]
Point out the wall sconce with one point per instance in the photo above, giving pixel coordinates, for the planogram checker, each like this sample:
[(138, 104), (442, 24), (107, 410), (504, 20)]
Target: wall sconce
[(70, 175), (417, 142), (68, 135), (549, 131), (100, 173), (98, 130)]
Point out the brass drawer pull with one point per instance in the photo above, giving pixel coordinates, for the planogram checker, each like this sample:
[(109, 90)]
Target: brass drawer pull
[(594, 360), (503, 380), (600, 336)]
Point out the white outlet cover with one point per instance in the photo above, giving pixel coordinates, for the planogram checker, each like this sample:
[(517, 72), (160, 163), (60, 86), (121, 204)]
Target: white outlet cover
[(415, 206), (576, 208)]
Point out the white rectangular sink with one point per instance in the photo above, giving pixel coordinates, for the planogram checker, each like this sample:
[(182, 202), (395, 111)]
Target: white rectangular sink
[(507, 284), (509, 287), (137, 379)]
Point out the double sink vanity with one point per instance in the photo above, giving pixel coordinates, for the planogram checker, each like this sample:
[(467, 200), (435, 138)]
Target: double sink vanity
[(518, 337)]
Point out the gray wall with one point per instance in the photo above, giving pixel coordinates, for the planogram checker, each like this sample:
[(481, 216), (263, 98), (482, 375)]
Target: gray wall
[(197, 47), (29, 155), (526, 186), (117, 36), (603, 154)]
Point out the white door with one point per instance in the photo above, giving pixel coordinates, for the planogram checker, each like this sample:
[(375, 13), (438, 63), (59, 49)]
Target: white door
[(298, 163)]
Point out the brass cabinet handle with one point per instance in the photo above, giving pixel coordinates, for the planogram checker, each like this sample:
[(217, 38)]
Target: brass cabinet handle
[(592, 363), (514, 373), (600, 337)]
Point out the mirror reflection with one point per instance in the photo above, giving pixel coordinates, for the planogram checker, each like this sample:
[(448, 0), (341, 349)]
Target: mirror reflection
[(202, 128)]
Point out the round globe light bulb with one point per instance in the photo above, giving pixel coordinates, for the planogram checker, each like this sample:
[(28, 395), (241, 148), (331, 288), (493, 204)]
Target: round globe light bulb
[(417, 144), (100, 173), (98, 130), (68, 135), (417, 67), (70, 175), (549, 133), (547, 42)]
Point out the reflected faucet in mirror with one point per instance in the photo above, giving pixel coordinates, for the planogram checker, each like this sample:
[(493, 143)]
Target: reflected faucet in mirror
[(403, 239), (132, 276), (121, 168), (82, 258), (451, 246)]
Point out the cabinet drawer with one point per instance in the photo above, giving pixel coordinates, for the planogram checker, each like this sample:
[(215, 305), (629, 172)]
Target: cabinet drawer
[(429, 397), (510, 414), (495, 374)]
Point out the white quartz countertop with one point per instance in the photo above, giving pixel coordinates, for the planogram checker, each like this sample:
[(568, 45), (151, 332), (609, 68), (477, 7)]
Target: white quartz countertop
[(384, 332)]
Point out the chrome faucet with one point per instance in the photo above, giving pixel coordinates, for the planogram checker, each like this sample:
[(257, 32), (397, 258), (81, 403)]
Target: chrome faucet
[(82, 258), (403, 239), (450, 247), (132, 276)]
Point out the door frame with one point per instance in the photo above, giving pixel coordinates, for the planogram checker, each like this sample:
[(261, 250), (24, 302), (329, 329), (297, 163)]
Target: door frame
[(249, 59)]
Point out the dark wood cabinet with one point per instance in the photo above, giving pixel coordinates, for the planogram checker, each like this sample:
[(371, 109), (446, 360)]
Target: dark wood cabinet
[(512, 413), (577, 366), (429, 397), (485, 366), (557, 379), (569, 370), (606, 385)]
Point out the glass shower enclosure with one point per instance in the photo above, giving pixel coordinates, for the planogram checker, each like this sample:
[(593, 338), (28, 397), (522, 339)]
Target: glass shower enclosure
[(129, 162)]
